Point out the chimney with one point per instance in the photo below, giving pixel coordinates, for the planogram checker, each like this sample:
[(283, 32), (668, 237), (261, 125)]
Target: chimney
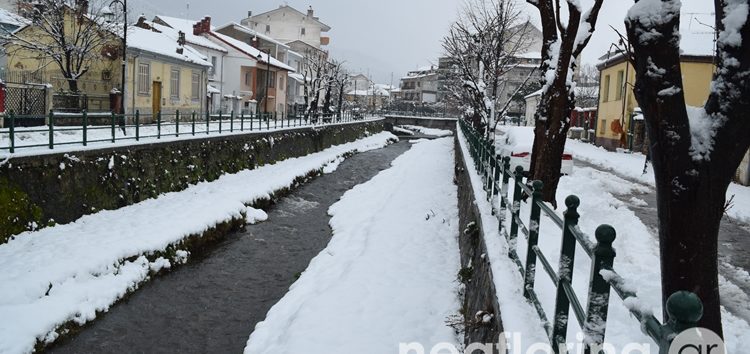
[(202, 26), (181, 38), (142, 22), (249, 14), (82, 6), (310, 12)]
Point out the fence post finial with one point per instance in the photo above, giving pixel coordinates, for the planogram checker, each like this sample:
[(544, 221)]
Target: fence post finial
[(684, 309)]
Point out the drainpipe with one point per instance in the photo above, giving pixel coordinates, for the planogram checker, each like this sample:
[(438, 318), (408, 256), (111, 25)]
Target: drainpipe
[(133, 91)]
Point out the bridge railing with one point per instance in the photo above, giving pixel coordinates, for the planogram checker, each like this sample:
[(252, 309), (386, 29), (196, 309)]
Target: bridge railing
[(685, 309), (59, 129)]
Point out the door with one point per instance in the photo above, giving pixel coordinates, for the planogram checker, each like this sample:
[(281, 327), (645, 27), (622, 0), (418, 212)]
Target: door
[(156, 97)]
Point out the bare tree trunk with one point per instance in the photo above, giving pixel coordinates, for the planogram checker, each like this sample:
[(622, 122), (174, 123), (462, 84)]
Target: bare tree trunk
[(691, 185)]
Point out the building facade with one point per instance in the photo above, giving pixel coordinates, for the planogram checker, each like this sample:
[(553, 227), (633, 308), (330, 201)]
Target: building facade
[(420, 86), (618, 125), (288, 24), (164, 74)]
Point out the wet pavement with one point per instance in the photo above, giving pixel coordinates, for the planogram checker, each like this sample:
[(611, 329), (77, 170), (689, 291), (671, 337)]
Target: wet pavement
[(734, 247), (212, 304)]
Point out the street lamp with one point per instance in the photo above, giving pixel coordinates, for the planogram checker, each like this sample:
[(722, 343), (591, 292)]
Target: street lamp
[(268, 76), (124, 4)]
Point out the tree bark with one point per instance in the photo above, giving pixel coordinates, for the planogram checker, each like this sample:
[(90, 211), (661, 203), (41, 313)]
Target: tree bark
[(691, 191)]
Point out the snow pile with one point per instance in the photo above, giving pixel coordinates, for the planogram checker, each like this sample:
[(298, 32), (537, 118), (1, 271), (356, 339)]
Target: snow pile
[(388, 276), (71, 272), (428, 131)]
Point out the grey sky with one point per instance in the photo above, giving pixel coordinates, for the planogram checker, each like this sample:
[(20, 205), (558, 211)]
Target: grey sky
[(388, 36)]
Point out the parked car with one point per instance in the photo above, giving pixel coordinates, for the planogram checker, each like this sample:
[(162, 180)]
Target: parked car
[(517, 142)]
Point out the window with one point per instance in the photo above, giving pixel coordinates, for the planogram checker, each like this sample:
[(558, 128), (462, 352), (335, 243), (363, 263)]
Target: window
[(214, 62), (620, 84), (605, 88), (174, 83), (195, 86), (302, 32), (281, 82), (264, 80), (603, 127), (268, 28), (248, 78), (144, 78)]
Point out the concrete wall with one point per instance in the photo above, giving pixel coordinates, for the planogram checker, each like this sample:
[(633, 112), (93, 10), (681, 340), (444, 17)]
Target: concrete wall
[(59, 188)]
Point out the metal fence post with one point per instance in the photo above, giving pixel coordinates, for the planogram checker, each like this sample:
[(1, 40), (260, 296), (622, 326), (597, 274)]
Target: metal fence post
[(12, 131), (242, 121), (137, 125), (220, 119), (85, 127), (252, 118), (192, 117), (268, 122), (112, 126), (506, 179), (177, 123), (231, 121), (598, 299), (51, 130), (565, 272), (530, 272), (208, 123), (158, 125), (515, 209), (275, 121)]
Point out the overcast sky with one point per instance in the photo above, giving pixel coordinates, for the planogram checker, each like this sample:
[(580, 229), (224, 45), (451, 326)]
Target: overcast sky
[(385, 37)]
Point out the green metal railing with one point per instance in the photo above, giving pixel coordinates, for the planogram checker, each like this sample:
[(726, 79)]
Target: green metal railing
[(684, 308), (58, 129)]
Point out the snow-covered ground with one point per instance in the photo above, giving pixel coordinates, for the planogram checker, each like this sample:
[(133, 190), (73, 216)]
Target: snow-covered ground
[(35, 140), (631, 166), (426, 131), (637, 260), (388, 276), (71, 272)]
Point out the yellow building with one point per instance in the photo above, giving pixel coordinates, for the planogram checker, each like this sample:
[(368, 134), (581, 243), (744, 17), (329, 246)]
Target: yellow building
[(617, 104), (163, 74), (31, 49)]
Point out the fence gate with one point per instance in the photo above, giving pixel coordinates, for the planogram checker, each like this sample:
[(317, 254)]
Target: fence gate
[(26, 100)]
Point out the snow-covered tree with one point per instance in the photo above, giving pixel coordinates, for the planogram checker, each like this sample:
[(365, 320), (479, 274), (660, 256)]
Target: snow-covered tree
[(70, 34), (563, 43), (695, 150), (483, 45)]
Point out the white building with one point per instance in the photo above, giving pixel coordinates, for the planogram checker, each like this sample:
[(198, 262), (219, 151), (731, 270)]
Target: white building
[(420, 86), (215, 53), (242, 70), (287, 25)]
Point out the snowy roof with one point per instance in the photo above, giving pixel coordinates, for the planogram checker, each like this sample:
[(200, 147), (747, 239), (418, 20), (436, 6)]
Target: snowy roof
[(694, 41), (186, 26), (533, 94), (297, 76), (163, 44), (251, 32), (212, 89), (324, 27), (370, 92), (530, 55), (11, 18), (251, 51)]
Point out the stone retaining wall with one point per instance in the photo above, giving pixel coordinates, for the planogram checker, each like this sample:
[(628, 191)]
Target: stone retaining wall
[(36, 191)]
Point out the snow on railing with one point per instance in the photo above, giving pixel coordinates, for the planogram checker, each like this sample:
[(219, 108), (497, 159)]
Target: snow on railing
[(684, 308), (27, 132)]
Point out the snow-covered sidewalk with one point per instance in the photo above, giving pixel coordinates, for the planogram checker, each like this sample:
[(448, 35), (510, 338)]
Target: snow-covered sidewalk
[(631, 166), (637, 260), (71, 272), (388, 276)]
